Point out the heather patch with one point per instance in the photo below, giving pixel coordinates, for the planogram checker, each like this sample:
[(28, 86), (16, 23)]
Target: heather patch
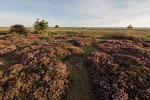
[(85, 42), (126, 37), (44, 80), (35, 71), (5, 50), (52, 50), (66, 37), (121, 69)]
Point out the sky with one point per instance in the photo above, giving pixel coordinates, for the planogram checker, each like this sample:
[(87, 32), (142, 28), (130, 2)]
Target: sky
[(76, 13)]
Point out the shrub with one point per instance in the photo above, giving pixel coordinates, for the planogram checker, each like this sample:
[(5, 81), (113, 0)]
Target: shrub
[(130, 27), (85, 42), (18, 29), (40, 26), (126, 37), (56, 26)]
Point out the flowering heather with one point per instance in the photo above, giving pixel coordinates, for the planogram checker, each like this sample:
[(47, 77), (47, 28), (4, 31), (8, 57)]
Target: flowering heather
[(61, 37), (66, 37), (121, 69), (5, 50), (19, 40), (85, 42), (53, 50), (46, 81), (101, 70), (126, 37), (34, 69), (136, 50)]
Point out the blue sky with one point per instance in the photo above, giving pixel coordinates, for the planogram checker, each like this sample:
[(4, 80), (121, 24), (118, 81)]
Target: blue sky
[(76, 13)]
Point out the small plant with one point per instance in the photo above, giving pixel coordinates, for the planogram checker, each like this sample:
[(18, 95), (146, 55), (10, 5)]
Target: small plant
[(40, 26), (56, 26), (18, 29)]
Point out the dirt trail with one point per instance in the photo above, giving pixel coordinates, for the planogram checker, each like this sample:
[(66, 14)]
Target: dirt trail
[(80, 85)]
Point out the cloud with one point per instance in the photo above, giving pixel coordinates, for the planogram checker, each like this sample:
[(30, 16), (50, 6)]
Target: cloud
[(114, 12), (80, 12)]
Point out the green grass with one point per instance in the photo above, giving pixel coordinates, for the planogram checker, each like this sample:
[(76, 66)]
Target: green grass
[(104, 33), (80, 87), (98, 33)]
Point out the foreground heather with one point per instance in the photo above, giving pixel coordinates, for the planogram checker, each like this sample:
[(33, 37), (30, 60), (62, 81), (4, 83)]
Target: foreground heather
[(85, 42), (35, 70), (32, 65), (121, 70)]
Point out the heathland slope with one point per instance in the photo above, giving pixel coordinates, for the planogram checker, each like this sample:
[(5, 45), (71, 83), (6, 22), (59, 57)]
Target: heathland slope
[(75, 64)]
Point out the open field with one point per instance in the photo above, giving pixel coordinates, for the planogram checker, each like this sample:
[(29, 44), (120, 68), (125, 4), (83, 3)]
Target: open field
[(103, 33), (75, 64)]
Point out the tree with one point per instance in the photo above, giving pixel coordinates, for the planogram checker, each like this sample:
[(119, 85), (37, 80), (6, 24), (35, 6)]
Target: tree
[(130, 27), (56, 26), (83, 27), (40, 26), (17, 28)]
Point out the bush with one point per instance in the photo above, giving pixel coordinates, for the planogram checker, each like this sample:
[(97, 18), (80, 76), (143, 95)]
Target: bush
[(56, 26), (18, 29), (130, 27), (85, 42), (40, 26)]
